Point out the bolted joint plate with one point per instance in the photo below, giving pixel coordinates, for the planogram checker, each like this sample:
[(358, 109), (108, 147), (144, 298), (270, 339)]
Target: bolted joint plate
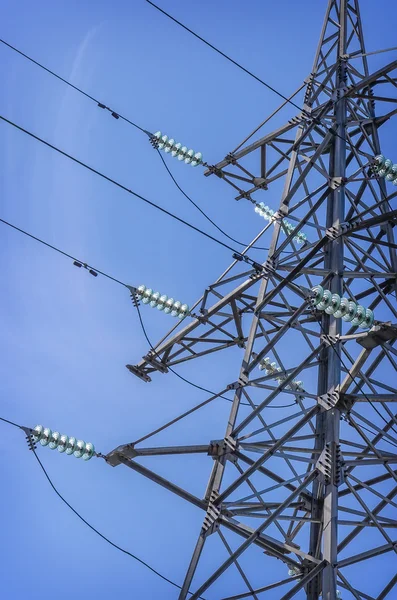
[(332, 233), (243, 379), (125, 451), (234, 386), (30, 439), (270, 265), (211, 519), (330, 340), (223, 448), (329, 464), (336, 231), (329, 400)]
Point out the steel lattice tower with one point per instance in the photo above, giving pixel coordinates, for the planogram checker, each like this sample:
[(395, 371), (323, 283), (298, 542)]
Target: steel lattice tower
[(330, 457)]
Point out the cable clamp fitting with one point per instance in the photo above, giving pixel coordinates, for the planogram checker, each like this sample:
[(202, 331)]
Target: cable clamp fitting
[(79, 265)]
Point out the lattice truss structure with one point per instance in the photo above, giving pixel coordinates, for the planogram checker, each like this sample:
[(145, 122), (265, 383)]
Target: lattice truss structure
[(318, 479)]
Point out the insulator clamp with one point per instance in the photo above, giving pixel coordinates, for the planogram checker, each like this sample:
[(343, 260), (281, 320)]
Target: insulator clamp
[(31, 442)]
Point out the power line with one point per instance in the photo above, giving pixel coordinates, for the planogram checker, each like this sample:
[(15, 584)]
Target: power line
[(62, 252), (118, 115), (114, 182), (58, 250), (268, 86), (11, 423), (207, 217), (115, 114), (99, 103), (225, 55), (375, 434), (242, 403), (123, 187), (145, 564)]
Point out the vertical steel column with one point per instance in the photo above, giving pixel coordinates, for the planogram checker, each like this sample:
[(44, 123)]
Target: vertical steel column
[(329, 421)]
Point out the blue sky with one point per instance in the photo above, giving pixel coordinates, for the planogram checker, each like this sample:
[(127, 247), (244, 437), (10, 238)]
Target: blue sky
[(66, 336)]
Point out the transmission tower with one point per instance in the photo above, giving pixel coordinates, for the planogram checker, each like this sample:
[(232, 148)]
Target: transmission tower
[(317, 478)]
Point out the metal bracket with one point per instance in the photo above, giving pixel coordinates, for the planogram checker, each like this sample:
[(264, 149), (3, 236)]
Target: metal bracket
[(231, 159), (243, 379), (29, 438), (278, 216), (332, 233), (297, 120), (330, 340), (225, 447), (127, 451), (214, 449), (335, 182), (211, 523), (135, 371), (329, 400), (339, 93), (213, 170), (233, 386), (269, 266), (335, 232), (159, 366), (329, 464), (283, 210), (306, 503), (230, 443), (345, 404), (260, 182), (378, 335)]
